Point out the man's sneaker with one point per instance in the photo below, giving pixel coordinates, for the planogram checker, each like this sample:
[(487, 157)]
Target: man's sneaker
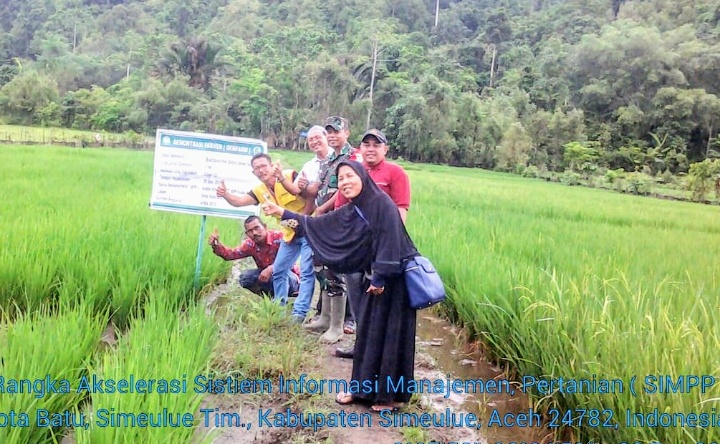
[(297, 319)]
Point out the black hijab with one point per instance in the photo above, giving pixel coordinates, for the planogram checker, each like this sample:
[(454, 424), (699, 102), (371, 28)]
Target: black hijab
[(367, 232)]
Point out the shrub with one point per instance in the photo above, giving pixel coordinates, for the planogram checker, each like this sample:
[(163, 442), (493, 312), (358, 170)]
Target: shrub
[(700, 177), (639, 183), (667, 178), (570, 178), (532, 172)]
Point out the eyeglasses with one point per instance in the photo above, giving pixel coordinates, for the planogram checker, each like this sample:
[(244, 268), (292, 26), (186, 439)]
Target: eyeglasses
[(261, 166)]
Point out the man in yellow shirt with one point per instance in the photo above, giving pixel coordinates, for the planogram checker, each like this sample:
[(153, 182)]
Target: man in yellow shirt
[(274, 189)]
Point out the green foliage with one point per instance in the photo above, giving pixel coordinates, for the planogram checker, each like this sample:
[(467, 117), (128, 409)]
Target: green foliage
[(612, 176), (531, 171), (702, 176), (514, 148), (579, 157), (642, 82), (163, 344), (639, 183), (570, 178), (195, 57), (26, 97), (114, 273), (666, 177), (48, 335)]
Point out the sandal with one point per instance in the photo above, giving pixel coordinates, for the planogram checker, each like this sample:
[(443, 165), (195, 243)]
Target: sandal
[(344, 398), (377, 408), (349, 328)]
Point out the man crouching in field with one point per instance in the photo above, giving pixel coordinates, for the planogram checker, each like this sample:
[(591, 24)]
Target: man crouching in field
[(262, 245), (294, 245)]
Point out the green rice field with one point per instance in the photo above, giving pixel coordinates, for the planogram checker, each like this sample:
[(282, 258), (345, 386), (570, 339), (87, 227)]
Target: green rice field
[(558, 282), (81, 249), (575, 283)]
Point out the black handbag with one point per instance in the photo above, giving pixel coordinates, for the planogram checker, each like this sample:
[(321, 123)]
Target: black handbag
[(423, 283)]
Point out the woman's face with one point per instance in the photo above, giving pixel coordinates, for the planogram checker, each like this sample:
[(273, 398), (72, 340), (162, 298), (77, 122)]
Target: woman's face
[(349, 183)]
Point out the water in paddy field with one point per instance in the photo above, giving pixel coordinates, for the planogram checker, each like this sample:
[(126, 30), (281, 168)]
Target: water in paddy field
[(444, 343)]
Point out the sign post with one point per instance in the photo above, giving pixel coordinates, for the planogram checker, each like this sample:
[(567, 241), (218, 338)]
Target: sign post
[(188, 168), (198, 258)]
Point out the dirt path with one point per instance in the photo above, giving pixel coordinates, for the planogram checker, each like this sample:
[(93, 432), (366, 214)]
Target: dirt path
[(333, 367), (323, 365), (329, 367)]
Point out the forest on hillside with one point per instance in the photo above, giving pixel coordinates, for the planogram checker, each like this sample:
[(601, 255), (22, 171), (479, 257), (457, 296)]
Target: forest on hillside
[(501, 84)]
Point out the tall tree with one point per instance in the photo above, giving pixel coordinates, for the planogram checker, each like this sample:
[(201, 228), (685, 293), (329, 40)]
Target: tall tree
[(195, 57)]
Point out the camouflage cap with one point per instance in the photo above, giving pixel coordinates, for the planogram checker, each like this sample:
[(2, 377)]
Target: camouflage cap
[(376, 133), (337, 123)]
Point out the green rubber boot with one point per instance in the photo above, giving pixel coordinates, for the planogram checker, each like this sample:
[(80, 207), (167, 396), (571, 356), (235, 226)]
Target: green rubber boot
[(337, 318), (323, 322)]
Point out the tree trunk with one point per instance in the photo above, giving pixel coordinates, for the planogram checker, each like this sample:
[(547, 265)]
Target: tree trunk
[(492, 66), (707, 149), (372, 84)]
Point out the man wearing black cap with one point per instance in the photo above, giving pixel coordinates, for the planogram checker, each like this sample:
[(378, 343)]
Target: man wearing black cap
[(390, 177), (394, 181)]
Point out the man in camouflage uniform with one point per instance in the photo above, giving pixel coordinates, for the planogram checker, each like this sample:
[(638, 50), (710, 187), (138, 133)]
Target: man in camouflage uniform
[(326, 194), (338, 133)]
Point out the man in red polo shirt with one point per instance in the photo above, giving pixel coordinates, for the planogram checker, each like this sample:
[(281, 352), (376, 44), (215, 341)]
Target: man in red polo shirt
[(262, 245), (394, 181), (390, 177)]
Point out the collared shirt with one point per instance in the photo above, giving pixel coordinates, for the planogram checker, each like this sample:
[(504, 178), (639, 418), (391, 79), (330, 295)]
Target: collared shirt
[(281, 196), (263, 255), (328, 173), (312, 168), (389, 177)]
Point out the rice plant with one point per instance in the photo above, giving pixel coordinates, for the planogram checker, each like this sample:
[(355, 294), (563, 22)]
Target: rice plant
[(81, 218), (160, 357), (42, 358), (579, 283)]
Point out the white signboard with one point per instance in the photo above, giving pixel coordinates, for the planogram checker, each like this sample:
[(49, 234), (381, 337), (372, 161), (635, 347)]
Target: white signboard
[(189, 167)]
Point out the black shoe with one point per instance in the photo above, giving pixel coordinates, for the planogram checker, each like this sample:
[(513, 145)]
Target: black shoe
[(345, 352)]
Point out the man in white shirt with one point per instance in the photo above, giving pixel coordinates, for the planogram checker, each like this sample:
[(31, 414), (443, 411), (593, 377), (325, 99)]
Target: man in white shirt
[(333, 297), (310, 172)]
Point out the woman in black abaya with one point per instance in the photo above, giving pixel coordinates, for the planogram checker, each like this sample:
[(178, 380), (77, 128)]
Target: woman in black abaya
[(367, 235)]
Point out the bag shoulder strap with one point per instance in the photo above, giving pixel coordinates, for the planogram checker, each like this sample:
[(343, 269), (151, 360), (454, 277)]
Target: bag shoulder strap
[(360, 213)]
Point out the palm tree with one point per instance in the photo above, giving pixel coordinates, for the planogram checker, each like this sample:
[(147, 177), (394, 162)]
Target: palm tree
[(195, 57)]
